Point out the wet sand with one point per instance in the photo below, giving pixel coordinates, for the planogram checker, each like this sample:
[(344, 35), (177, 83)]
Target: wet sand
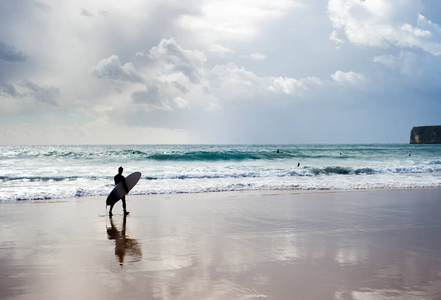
[(238, 245)]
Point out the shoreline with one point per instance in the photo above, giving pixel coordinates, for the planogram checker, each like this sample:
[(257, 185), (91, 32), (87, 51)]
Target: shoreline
[(225, 245), (260, 191)]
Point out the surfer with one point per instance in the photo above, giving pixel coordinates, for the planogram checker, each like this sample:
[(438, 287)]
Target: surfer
[(120, 178)]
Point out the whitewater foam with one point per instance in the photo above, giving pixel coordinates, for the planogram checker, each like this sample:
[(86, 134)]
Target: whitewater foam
[(46, 172)]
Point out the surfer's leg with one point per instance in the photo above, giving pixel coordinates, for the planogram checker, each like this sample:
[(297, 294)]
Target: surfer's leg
[(110, 210), (123, 199)]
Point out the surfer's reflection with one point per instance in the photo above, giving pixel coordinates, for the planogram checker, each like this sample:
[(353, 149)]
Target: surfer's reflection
[(123, 244)]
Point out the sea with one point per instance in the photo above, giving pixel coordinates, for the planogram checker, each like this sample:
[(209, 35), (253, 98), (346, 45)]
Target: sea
[(55, 172)]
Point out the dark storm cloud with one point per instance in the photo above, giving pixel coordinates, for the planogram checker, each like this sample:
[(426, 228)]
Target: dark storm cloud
[(43, 7), (42, 94), (9, 90), (152, 97), (86, 13), (9, 53), (28, 89)]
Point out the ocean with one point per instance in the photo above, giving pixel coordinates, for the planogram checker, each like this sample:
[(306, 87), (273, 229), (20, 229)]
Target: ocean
[(54, 172)]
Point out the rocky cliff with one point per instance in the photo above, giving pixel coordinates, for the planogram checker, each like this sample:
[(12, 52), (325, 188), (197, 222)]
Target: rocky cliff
[(425, 135)]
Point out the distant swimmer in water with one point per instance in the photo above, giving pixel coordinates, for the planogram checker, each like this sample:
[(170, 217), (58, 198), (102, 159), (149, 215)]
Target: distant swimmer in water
[(298, 165), (278, 150)]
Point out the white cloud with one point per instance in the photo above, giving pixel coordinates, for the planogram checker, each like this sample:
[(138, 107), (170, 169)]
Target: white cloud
[(257, 56), (111, 68), (389, 61), (406, 62), (292, 86), (433, 45), (175, 67), (178, 59), (230, 82), (348, 77), (220, 50), (334, 36), (176, 77), (231, 20), (181, 103), (142, 53), (380, 23), (180, 79)]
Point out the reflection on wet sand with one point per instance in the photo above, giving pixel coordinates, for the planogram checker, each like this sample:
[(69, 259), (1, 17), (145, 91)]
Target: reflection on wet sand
[(363, 245), (123, 244)]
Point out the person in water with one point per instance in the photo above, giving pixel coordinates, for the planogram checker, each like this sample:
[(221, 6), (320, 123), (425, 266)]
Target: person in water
[(120, 178)]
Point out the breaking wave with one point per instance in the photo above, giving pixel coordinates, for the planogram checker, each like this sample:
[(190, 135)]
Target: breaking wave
[(50, 172)]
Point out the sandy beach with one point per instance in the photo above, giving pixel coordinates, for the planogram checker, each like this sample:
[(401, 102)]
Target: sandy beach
[(233, 245)]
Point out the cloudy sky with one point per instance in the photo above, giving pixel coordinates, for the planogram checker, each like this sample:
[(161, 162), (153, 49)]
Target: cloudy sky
[(218, 71)]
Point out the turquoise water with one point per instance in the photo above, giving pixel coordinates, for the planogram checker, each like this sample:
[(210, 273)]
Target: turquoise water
[(51, 172)]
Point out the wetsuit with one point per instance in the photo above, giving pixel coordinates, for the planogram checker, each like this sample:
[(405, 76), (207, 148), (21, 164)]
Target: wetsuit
[(120, 178)]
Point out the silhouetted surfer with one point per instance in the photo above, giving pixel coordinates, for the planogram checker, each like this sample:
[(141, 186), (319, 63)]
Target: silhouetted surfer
[(120, 178)]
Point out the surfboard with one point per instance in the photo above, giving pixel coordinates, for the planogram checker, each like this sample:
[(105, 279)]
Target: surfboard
[(118, 192)]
